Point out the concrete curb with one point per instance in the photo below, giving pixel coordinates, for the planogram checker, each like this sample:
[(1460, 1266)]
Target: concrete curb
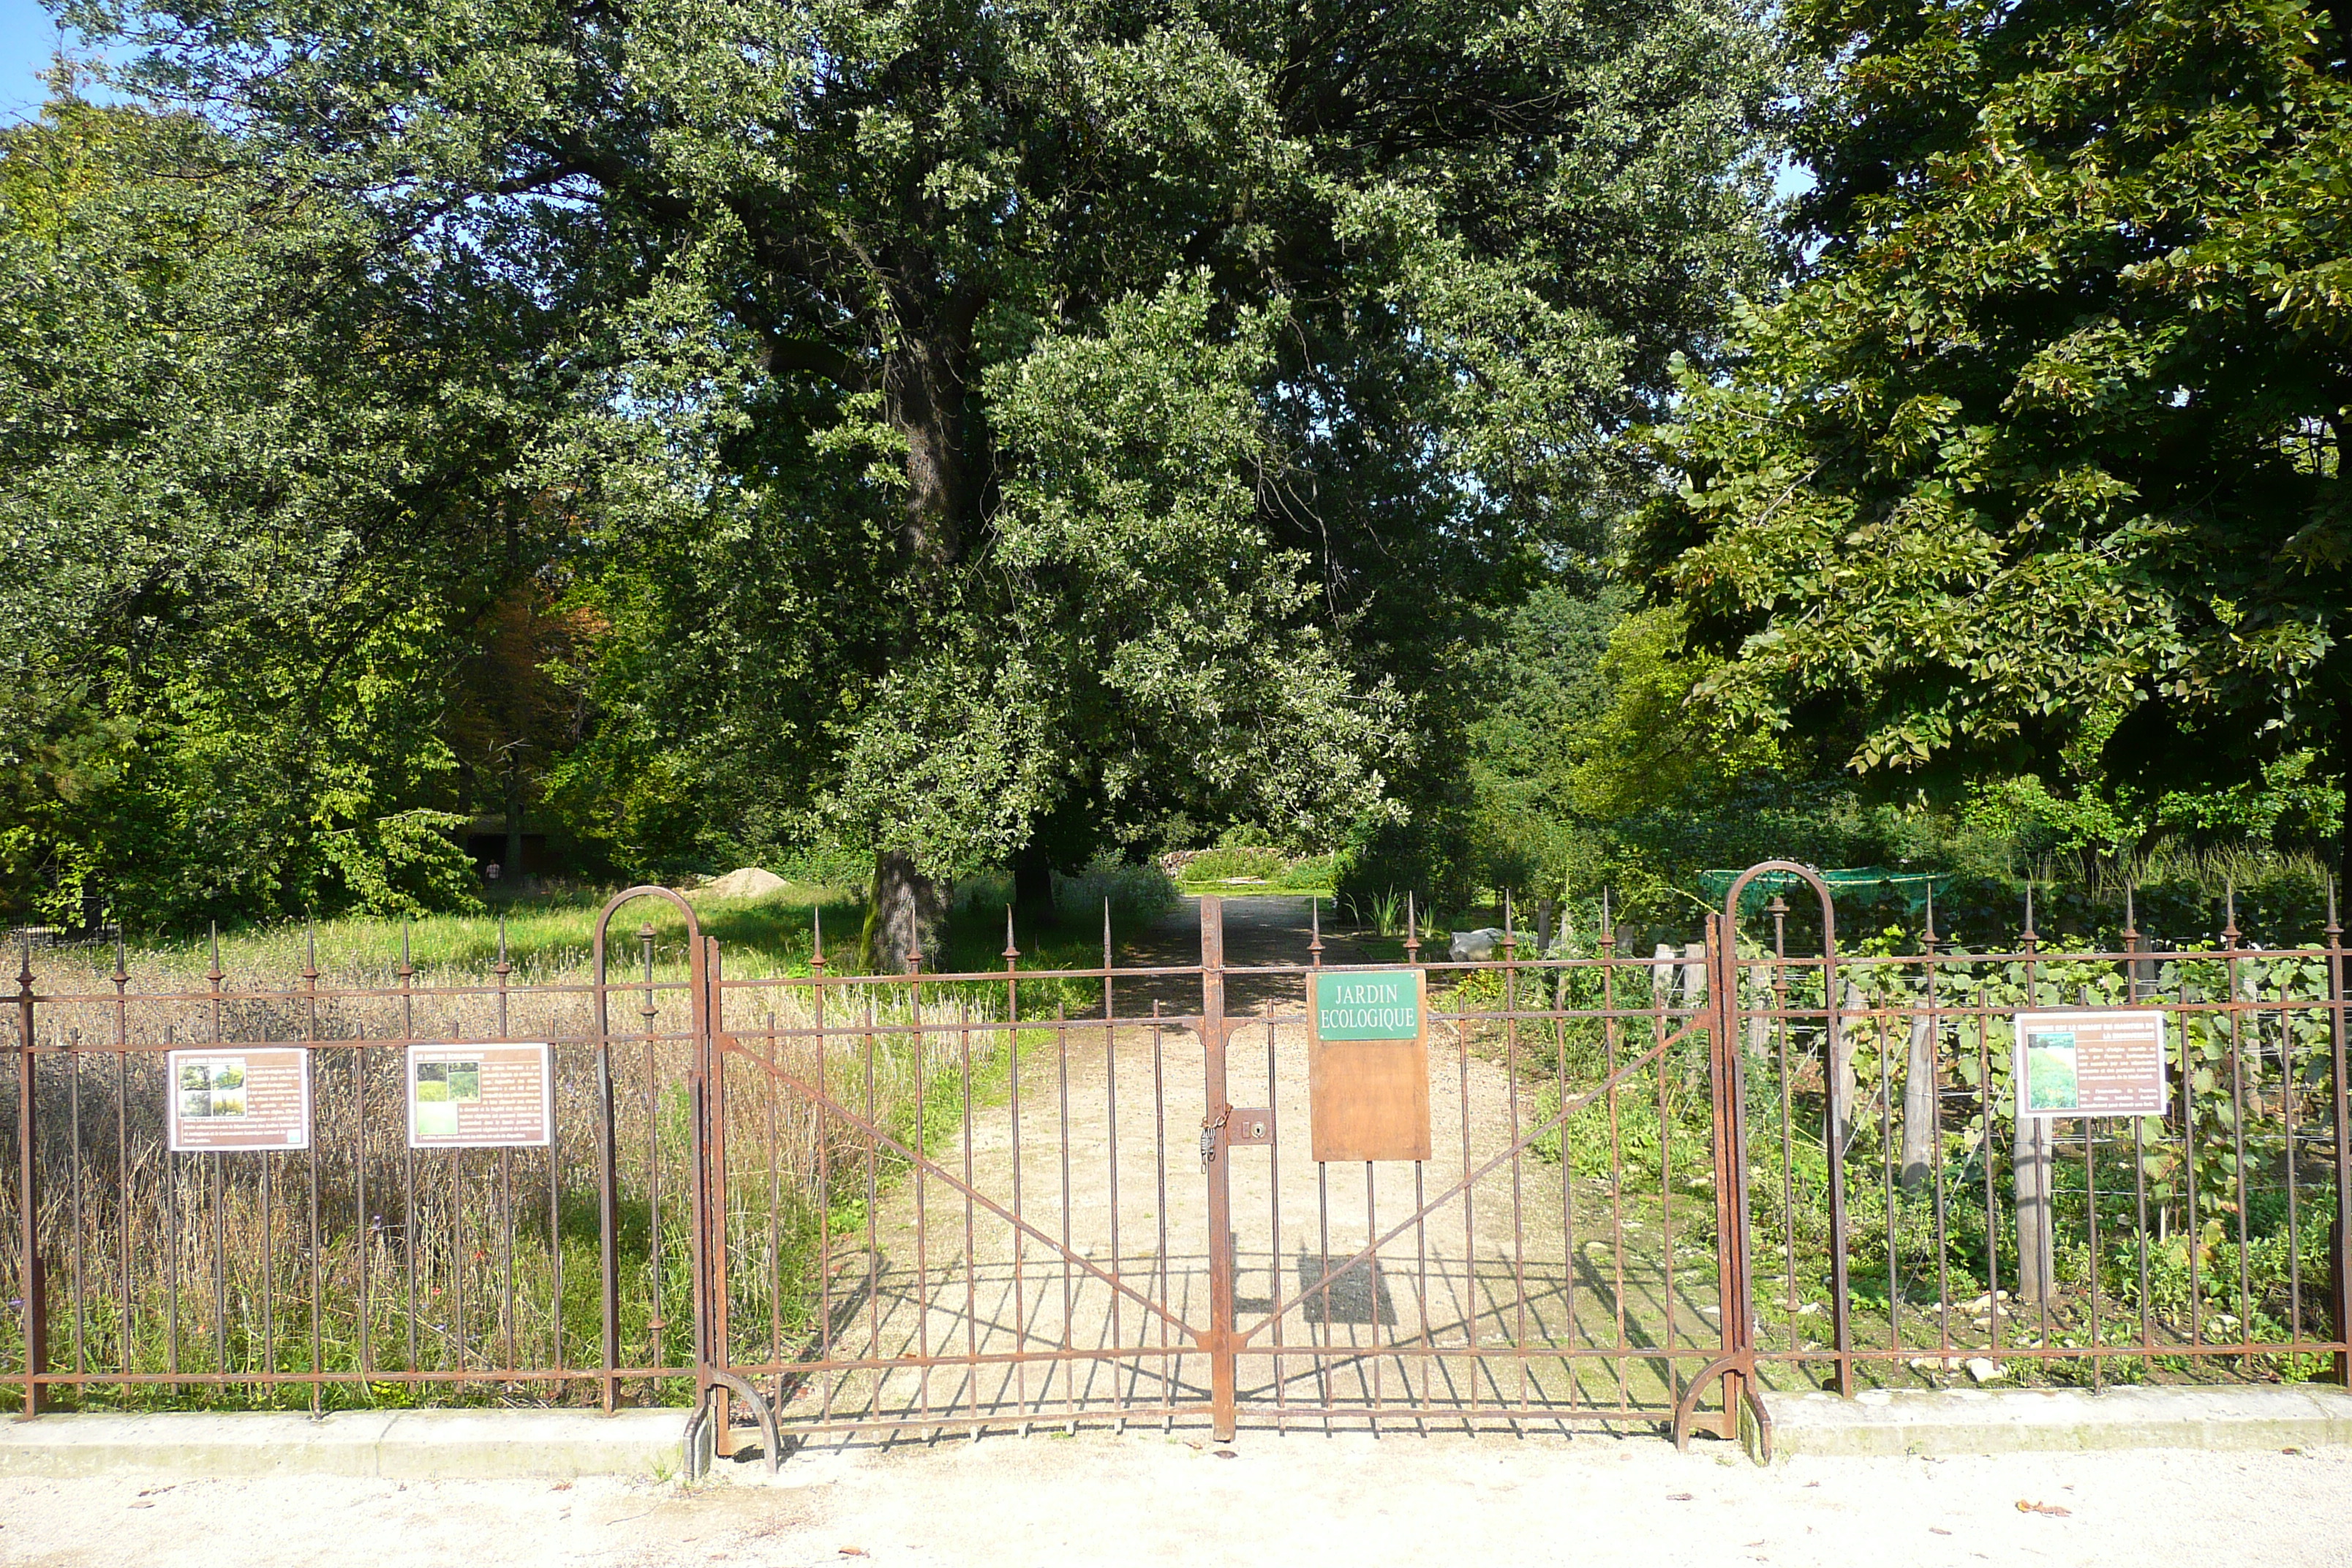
[(404, 1444), (2032, 1420)]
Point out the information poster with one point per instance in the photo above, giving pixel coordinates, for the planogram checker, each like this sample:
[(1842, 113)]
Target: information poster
[(239, 1096), (487, 1096), (2106, 1062), (1368, 1065)]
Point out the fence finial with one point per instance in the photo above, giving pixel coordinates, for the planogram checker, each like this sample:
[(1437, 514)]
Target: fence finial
[(311, 947), (1315, 930), (407, 968), (2230, 933), (215, 975), (1411, 928), (1106, 930), (1608, 931), (2027, 936), (502, 936), (2131, 916), (816, 936), (1011, 952), (1928, 937)]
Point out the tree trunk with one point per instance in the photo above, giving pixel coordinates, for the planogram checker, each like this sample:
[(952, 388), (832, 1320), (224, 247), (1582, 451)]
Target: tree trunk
[(1033, 884), (924, 399), (513, 867), (2343, 749), (923, 387), (904, 917)]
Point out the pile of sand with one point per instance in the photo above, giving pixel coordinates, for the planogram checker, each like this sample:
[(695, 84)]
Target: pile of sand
[(750, 882)]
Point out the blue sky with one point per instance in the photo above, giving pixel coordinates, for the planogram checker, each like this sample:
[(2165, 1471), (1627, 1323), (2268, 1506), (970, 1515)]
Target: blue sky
[(28, 36)]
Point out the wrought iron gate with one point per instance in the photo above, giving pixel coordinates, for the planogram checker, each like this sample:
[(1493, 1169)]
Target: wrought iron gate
[(1187, 1257), (918, 1202)]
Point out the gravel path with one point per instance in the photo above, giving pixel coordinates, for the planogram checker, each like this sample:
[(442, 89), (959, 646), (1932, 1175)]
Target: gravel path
[(1108, 1172), (1101, 1498)]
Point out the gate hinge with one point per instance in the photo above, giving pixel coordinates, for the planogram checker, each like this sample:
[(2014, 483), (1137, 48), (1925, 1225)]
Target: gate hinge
[(1209, 1131)]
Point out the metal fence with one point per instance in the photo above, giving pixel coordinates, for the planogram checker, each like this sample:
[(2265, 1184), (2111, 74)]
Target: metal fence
[(918, 1202), (358, 1269), (1909, 1226)]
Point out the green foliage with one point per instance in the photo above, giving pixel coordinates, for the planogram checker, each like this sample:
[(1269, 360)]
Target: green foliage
[(1136, 894), (255, 481), (977, 418), (2036, 471), (1228, 864), (405, 864)]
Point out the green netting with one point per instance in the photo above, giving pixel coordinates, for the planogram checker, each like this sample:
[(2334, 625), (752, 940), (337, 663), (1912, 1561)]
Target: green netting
[(1857, 884)]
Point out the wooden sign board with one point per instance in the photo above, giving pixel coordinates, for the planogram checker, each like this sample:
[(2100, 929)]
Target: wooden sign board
[(2104, 1062), (239, 1097), (491, 1095), (1368, 1064)]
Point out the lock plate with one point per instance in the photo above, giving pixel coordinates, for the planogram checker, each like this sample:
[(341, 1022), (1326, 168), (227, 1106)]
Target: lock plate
[(1249, 1127)]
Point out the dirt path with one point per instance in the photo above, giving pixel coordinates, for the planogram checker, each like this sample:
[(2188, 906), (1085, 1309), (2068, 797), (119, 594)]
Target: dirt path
[(1095, 1145), (1144, 1499)]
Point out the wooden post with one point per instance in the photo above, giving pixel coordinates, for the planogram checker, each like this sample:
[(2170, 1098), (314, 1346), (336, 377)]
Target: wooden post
[(1694, 973), (2030, 1173), (1919, 1105), (1841, 1086)]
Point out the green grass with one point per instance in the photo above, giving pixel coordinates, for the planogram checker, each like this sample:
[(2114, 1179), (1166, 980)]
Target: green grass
[(759, 937), (763, 938)]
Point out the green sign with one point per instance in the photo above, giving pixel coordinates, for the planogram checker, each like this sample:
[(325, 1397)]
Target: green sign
[(1357, 1006)]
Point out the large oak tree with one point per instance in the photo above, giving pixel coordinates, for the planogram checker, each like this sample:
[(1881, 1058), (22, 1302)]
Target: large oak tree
[(1010, 415)]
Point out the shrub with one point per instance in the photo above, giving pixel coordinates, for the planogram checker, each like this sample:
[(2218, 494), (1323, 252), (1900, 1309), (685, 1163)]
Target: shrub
[(1232, 863), (1134, 892)]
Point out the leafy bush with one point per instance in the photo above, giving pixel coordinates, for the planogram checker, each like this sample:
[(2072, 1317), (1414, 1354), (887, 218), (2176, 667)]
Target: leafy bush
[(405, 864), (1230, 864), (1313, 871), (1135, 893)]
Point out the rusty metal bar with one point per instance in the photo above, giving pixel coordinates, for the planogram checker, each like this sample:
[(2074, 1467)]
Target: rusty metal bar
[(1217, 1338)]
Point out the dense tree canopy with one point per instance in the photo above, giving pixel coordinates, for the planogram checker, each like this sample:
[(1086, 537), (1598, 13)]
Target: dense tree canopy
[(257, 475), (999, 429), (2036, 472)]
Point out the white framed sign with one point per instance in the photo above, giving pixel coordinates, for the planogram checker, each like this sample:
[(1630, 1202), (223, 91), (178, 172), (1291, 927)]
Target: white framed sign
[(489, 1095), (239, 1097), (2106, 1062)]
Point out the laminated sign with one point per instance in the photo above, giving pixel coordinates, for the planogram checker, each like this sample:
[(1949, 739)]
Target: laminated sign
[(1368, 1064), (2104, 1062), (239, 1096), (487, 1096)]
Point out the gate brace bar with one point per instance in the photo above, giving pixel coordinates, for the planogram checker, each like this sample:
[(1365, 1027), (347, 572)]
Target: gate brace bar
[(770, 1435), (1744, 1367)]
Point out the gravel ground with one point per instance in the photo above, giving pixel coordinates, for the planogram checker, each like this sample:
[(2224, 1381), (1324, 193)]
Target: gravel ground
[(1304, 1499)]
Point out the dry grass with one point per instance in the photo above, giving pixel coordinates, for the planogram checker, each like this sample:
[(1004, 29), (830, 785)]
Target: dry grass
[(363, 1258)]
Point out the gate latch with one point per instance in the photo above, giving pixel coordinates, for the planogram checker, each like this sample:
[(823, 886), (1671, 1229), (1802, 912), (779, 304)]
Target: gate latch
[(1249, 1129), (1209, 1131)]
